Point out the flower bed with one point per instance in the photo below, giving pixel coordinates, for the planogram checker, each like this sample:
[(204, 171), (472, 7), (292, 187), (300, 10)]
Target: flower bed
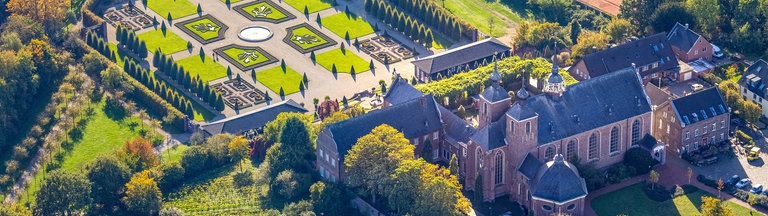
[(245, 58), (263, 10), (305, 38), (205, 29)]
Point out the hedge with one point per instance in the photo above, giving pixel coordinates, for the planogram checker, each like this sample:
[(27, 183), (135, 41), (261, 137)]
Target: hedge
[(89, 17), (473, 81)]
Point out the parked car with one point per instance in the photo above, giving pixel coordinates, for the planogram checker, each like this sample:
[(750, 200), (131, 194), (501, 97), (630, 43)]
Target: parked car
[(696, 87), (764, 193), (737, 122), (757, 189), (733, 180), (743, 183), (717, 52)]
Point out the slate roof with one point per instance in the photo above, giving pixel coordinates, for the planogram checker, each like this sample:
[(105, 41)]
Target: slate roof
[(682, 37), (412, 118), (654, 48), (657, 95), (495, 93), (461, 55), (755, 78), (648, 142), (558, 181), (456, 128), (586, 105), (530, 166), (401, 91), (491, 136), (699, 106), (251, 120)]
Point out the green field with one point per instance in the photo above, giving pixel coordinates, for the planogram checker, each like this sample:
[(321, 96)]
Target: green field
[(312, 5), (274, 78), (479, 12), (101, 135), (214, 193), (207, 69), (633, 201), (343, 61), (234, 52), (205, 35), (177, 8), (173, 154), (304, 32), (275, 15), (341, 23), (169, 43)]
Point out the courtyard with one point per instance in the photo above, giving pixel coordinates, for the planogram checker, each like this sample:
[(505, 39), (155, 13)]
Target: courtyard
[(290, 47)]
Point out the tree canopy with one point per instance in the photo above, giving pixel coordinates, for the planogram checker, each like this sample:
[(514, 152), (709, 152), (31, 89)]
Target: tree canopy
[(63, 193), (142, 195), (108, 175)]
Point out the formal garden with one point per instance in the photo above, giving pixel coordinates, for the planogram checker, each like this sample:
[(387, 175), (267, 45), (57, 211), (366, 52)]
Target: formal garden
[(206, 68), (172, 8), (129, 17), (264, 10), (279, 79), (205, 29), (239, 94), (305, 38), (246, 58), (342, 61), (310, 6), (347, 25), (164, 40)]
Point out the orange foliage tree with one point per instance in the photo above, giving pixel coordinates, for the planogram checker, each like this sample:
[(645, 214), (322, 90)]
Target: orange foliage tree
[(141, 149)]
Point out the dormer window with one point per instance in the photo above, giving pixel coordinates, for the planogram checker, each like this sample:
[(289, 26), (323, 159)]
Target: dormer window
[(712, 110), (704, 114), (722, 110), (695, 117)]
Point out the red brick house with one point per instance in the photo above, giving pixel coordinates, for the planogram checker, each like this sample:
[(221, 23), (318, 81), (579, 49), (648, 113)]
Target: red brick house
[(689, 45)]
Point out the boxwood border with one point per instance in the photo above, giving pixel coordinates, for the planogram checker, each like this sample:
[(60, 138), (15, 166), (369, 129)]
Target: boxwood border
[(241, 11), (223, 29), (287, 39), (220, 51)]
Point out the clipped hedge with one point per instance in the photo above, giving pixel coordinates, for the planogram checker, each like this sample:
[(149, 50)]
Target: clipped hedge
[(89, 17), (472, 81)]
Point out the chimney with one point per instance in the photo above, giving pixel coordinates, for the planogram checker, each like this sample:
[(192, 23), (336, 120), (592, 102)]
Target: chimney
[(686, 26), (423, 100)]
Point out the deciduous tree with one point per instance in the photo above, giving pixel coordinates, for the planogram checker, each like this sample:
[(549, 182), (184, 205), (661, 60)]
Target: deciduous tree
[(63, 193), (108, 175), (142, 196)]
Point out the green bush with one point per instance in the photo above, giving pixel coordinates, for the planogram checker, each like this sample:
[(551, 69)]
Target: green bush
[(640, 159), (243, 179), (744, 138), (620, 173)]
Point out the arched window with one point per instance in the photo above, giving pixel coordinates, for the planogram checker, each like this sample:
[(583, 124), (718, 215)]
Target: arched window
[(549, 153), (635, 132), (485, 109), (499, 168), (511, 127), (594, 150), (570, 150), (479, 159), (614, 139), (527, 127)]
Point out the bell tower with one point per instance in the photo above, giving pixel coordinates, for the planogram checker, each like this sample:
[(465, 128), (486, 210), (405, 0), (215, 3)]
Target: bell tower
[(555, 83)]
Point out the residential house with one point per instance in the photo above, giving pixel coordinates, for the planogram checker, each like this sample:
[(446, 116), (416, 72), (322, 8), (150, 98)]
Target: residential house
[(689, 123), (689, 45), (652, 57), (752, 85), (460, 59)]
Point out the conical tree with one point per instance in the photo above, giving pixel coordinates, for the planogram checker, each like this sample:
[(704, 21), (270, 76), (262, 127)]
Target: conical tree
[(143, 53)]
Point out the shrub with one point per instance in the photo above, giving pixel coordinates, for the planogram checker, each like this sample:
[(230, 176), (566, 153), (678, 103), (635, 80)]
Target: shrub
[(656, 193), (620, 173), (640, 159), (744, 138), (194, 160), (172, 174), (706, 181), (243, 179)]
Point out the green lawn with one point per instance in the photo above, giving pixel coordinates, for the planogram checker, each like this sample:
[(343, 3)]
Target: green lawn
[(304, 32), (173, 154), (274, 78), (343, 61), (275, 15), (177, 8), (633, 201), (169, 43), (120, 53), (312, 5), (234, 52), (340, 24), (205, 35), (102, 135), (479, 12), (207, 69), (440, 42)]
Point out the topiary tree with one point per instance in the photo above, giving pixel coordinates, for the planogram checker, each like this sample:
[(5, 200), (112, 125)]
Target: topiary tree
[(370, 64), (229, 71), (312, 56), (352, 70), (301, 86), (282, 93), (306, 11), (170, 18), (163, 28), (199, 9), (346, 36), (282, 65), (319, 20), (343, 49), (143, 52), (333, 68)]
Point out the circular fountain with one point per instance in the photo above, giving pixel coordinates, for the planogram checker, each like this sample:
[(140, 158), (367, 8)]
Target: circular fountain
[(255, 33)]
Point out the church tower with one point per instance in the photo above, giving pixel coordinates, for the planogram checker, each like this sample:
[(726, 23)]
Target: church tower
[(555, 83), (494, 100)]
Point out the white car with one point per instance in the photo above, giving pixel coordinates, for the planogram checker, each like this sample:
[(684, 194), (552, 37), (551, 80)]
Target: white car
[(717, 52), (696, 87), (743, 183)]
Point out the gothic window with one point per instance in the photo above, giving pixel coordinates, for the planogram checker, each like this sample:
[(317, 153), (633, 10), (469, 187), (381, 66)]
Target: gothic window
[(478, 159), (593, 148), (570, 150), (511, 126), (614, 139), (635, 132), (527, 127), (499, 168), (549, 153)]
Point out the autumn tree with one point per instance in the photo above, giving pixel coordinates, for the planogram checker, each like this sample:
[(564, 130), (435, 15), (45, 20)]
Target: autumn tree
[(707, 14), (751, 111), (238, 150), (43, 11), (619, 29), (294, 150), (142, 196), (589, 42), (141, 153), (329, 198), (374, 157), (63, 193), (714, 206), (653, 177)]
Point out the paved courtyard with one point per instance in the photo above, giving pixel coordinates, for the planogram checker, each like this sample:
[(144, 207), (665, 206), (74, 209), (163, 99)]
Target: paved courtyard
[(322, 82)]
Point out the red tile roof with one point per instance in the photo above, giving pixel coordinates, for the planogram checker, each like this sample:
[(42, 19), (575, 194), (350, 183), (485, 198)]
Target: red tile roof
[(607, 6)]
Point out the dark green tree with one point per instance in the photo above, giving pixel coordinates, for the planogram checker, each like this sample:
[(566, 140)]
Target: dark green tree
[(63, 193), (107, 175)]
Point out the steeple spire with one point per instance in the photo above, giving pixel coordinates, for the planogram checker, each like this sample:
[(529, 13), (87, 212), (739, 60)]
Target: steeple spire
[(554, 61), (555, 83), (495, 76)]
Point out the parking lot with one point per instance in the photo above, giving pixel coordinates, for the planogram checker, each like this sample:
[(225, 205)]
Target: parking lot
[(727, 166)]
